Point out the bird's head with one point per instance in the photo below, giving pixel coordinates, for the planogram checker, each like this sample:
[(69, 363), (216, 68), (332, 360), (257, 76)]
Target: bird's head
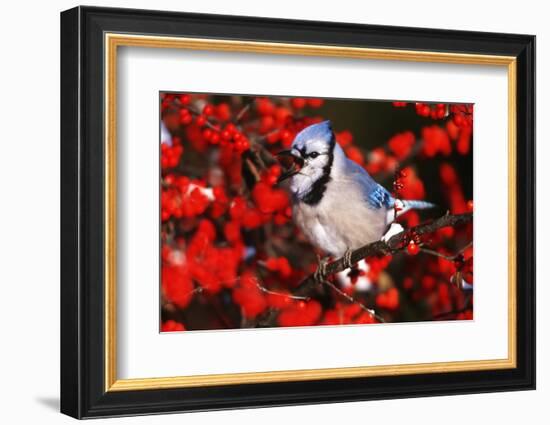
[(312, 156)]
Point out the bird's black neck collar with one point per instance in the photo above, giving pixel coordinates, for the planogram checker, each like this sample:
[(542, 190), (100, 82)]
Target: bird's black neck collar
[(314, 195)]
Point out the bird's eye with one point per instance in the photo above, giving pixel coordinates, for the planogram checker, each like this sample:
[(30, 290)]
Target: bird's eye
[(313, 155)]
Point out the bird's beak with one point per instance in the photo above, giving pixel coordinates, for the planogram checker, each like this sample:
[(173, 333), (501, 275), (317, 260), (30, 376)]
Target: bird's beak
[(297, 162)]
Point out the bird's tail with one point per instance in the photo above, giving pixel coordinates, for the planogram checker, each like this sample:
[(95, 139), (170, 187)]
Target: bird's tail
[(415, 205), (404, 206)]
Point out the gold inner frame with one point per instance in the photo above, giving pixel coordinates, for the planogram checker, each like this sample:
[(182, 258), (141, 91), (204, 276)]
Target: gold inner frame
[(113, 41)]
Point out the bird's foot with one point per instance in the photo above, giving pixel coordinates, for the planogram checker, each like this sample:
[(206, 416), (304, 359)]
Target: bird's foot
[(347, 259), (321, 272), (394, 229)]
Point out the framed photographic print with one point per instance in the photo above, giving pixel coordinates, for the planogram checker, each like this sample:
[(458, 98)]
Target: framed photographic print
[(262, 212)]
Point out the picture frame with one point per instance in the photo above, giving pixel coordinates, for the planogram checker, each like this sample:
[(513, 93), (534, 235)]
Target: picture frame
[(90, 40)]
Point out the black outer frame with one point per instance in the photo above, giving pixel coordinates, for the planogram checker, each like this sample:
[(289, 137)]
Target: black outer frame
[(82, 217)]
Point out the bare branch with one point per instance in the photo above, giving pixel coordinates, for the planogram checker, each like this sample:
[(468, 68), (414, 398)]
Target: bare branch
[(446, 257), (253, 170), (354, 301), (281, 294), (243, 111)]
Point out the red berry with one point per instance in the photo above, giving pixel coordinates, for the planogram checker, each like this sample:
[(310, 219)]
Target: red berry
[(315, 102), (172, 326), (286, 137), (223, 111), (245, 145), (272, 179), (425, 111), (231, 128), (458, 119), (207, 134), (201, 120), (185, 116), (413, 248), (208, 110), (264, 106), (169, 179), (266, 123), (226, 134), (298, 102), (215, 138), (275, 170)]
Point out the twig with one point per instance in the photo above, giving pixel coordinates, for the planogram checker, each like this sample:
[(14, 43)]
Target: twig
[(243, 111), (269, 133), (354, 301), (253, 170), (194, 111), (197, 290), (258, 157), (281, 294), (446, 257)]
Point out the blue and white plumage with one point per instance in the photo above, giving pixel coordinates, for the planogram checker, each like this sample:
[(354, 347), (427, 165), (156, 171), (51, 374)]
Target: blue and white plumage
[(336, 203)]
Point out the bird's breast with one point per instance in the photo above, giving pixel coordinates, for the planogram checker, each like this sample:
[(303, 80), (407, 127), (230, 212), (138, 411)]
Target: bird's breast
[(339, 223), (313, 222)]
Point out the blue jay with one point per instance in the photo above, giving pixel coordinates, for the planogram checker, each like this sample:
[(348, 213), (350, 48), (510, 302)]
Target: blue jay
[(335, 202)]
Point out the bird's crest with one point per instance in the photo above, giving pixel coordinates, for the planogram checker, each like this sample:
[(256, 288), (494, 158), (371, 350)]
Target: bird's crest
[(320, 131)]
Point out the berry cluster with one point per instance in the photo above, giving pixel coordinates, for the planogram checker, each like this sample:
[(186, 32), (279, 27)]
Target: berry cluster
[(454, 135)]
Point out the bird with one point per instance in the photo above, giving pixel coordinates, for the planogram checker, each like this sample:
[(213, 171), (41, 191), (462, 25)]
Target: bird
[(335, 202)]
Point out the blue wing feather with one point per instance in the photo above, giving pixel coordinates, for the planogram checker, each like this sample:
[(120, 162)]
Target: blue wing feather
[(376, 196), (379, 197)]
